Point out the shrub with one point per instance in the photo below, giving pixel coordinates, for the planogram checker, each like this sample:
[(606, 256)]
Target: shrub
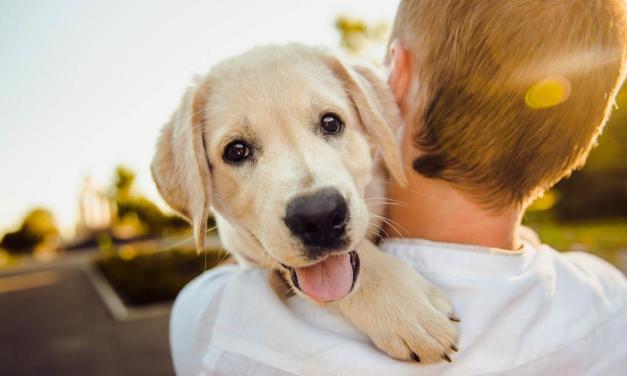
[(155, 277)]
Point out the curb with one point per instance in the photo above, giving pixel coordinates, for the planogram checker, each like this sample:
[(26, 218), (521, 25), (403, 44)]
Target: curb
[(116, 307)]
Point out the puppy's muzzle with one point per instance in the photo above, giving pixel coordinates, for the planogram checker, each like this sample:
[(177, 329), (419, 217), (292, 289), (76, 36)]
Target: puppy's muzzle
[(319, 220)]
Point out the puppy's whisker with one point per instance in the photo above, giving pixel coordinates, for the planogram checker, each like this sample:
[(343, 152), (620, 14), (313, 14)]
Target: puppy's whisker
[(380, 229), (180, 242), (176, 244), (266, 257), (225, 255), (403, 233), (379, 199), (392, 225), (382, 198), (373, 204)]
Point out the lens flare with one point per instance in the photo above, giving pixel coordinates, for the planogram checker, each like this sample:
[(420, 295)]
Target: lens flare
[(547, 93)]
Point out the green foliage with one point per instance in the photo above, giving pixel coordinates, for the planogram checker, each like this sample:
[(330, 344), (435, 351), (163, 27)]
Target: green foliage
[(6, 259), (38, 227), (611, 152), (599, 190), (356, 35), (592, 195), (123, 183), (155, 277), (152, 219), (138, 215), (602, 238)]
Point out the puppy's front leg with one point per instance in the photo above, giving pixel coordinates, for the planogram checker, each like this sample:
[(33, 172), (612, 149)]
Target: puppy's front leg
[(403, 314)]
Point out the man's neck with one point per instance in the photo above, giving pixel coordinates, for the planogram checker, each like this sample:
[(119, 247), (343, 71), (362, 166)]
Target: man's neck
[(433, 210)]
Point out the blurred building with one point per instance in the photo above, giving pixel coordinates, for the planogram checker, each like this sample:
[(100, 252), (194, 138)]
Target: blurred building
[(95, 211)]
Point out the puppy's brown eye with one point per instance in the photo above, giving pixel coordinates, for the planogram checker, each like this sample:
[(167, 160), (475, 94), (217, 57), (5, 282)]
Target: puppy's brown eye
[(331, 123), (236, 152)]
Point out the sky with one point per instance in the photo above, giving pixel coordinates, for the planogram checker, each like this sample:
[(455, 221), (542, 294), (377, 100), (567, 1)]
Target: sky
[(86, 85)]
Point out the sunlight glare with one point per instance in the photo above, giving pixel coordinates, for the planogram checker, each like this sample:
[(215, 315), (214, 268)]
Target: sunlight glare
[(548, 93)]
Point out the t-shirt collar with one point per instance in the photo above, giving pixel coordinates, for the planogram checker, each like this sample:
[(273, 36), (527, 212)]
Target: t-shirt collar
[(460, 259)]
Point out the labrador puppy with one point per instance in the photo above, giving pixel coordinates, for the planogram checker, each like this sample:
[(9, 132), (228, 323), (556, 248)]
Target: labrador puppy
[(280, 143)]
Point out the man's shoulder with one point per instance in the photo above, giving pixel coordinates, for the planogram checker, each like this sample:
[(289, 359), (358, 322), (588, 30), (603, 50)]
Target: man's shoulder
[(206, 291), (604, 279), (196, 310), (212, 281), (592, 265), (233, 313), (597, 294)]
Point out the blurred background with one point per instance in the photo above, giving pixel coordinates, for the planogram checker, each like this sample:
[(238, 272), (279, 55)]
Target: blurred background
[(90, 257)]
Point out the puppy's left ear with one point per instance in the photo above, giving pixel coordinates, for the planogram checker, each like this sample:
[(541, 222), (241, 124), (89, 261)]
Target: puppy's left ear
[(376, 108)]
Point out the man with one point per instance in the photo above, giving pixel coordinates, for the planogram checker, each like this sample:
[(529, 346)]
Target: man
[(501, 99)]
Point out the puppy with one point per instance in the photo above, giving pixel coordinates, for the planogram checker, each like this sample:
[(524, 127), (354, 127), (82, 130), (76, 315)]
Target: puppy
[(280, 143)]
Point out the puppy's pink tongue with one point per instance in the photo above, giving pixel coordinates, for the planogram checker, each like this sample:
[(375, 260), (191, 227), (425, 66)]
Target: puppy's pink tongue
[(327, 280)]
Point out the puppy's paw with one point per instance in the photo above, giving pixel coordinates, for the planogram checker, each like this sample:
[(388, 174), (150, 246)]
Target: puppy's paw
[(421, 327), (403, 314)]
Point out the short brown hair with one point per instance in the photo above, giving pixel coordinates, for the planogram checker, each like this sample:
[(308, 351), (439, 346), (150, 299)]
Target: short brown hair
[(483, 61)]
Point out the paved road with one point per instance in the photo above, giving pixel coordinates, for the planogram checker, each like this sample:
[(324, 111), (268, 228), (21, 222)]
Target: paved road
[(53, 323)]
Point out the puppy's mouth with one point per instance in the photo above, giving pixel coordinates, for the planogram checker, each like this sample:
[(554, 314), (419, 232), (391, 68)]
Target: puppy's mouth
[(330, 279)]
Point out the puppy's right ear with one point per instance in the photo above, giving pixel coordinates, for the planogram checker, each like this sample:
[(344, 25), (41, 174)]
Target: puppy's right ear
[(180, 167), (376, 108)]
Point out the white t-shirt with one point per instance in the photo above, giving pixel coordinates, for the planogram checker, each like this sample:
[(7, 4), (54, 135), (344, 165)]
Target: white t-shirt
[(531, 312)]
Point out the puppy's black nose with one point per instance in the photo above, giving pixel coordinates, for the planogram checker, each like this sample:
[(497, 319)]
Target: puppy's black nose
[(318, 219)]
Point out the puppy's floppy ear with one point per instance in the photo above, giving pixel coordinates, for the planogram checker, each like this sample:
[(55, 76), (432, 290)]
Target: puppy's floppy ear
[(180, 167), (377, 110)]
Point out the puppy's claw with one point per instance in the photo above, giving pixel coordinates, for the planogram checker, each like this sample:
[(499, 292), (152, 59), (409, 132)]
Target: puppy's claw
[(446, 357), (454, 348), (415, 357), (454, 318)]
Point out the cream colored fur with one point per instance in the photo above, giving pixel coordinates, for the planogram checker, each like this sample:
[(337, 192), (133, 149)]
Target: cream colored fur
[(273, 96)]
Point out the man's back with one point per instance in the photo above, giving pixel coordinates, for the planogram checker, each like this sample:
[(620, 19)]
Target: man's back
[(529, 312)]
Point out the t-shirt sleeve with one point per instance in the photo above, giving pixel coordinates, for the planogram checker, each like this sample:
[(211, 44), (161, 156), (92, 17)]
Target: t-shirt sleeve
[(193, 315)]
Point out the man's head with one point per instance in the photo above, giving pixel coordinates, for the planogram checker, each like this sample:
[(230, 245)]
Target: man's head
[(502, 99)]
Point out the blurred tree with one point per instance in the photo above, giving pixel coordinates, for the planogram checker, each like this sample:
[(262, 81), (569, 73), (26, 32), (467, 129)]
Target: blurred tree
[(135, 215), (357, 36), (123, 183), (611, 154), (599, 190), (38, 229)]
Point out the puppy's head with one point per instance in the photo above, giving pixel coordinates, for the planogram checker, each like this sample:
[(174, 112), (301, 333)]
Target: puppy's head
[(280, 142)]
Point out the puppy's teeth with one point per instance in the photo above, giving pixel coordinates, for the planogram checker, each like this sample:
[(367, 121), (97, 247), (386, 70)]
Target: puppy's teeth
[(415, 357), (446, 357)]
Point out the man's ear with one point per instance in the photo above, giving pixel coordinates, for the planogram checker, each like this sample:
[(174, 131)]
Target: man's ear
[(399, 78), (180, 167), (377, 111)]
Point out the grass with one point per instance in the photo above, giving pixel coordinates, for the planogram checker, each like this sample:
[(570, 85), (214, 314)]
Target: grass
[(606, 239)]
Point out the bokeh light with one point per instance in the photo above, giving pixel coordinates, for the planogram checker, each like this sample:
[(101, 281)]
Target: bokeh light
[(548, 92)]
